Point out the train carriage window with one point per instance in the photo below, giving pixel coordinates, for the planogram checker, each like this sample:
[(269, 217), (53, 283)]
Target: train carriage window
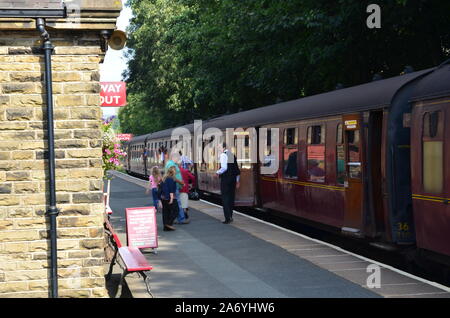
[(269, 158), (433, 152), (340, 155), (203, 163), (242, 151), (290, 151), (152, 153), (316, 153), (354, 161), (291, 136)]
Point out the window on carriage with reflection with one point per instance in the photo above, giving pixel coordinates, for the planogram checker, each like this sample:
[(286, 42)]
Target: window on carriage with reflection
[(340, 155), (290, 153), (269, 156), (241, 150), (354, 161), (316, 153), (433, 152)]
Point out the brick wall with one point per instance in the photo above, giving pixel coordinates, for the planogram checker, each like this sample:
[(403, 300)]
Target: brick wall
[(24, 237)]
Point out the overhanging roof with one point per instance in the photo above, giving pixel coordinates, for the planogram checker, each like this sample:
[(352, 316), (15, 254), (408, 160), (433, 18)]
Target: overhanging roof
[(435, 85), (32, 9)]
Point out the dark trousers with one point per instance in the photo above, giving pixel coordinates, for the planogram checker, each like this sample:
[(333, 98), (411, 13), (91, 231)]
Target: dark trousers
[(228, 190), (169, 212)]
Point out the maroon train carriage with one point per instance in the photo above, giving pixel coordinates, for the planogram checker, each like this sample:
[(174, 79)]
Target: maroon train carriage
[(430, 149), (345, 159)]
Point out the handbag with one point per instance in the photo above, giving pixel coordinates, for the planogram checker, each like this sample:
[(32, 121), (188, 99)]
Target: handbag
[(193, 195)]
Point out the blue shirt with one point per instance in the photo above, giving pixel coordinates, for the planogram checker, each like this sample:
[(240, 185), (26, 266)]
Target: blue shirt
[(169, 186)]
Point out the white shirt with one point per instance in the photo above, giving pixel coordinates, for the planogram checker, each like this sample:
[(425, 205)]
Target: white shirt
[(224, 164)]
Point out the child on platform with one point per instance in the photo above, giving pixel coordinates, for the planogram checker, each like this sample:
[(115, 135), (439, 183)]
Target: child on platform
[(154, 180)]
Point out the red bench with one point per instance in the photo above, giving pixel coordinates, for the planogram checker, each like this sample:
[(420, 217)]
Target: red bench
[(132, 260)]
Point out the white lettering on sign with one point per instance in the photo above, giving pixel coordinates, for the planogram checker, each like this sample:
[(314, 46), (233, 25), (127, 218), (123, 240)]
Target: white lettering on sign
[(113, 94), (109, 99), (111, 88)]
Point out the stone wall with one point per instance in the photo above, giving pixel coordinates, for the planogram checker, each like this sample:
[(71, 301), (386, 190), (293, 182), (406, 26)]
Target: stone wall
[(24, 237)]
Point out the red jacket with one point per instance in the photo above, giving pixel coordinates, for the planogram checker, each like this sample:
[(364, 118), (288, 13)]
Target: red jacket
[(188, 177)]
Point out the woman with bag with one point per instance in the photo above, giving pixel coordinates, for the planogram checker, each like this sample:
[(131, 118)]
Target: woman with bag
[(167, 190)]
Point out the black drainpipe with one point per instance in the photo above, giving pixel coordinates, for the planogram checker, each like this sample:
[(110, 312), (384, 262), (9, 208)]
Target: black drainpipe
[(52, 211)]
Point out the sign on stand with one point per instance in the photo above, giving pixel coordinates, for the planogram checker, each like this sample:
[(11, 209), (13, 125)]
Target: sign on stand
[(141, 227)]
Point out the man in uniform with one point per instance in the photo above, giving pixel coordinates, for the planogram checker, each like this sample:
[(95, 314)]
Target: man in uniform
[(229, 175)]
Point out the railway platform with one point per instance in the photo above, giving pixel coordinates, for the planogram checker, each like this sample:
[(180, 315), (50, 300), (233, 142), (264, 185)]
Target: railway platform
[(253, 259)]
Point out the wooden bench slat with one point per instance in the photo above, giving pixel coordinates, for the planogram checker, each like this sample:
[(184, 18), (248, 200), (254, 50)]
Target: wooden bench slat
[(134, 260)]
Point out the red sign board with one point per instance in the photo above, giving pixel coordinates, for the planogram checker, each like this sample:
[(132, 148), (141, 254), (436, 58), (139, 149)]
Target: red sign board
[(141, 227), (113, 94), (124, 137)]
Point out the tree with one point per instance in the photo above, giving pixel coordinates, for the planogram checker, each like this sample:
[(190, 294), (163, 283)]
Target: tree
[(194, 59)]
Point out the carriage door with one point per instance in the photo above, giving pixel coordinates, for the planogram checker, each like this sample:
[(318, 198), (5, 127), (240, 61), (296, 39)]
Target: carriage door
[(431, 177), (353, 182)]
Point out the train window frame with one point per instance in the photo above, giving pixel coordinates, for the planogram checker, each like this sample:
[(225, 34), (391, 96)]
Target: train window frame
[(286, 140), (341, 170), (313, 143), (268, 156), (241, 141), (434, 143), (291, 150), (354, 166)]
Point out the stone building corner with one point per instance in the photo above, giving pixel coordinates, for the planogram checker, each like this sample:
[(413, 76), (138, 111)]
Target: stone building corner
[(24, 244)]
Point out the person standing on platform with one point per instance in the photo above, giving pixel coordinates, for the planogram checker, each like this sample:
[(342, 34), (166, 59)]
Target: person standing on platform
[(174, 162), (188, 177), (229, 175), (186, 163), (169, 202), (154, 180)]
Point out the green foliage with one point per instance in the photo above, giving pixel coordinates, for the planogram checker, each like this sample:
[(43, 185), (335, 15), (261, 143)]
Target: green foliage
[(194, 59)]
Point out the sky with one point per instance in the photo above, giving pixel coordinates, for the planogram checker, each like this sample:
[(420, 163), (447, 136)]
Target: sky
[(115, 63)]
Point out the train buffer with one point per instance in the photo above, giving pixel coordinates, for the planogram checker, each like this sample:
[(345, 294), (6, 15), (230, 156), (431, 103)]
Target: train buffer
[(253, 259)]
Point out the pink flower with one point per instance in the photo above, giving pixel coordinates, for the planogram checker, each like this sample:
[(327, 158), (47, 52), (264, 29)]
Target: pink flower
[(107, 151)]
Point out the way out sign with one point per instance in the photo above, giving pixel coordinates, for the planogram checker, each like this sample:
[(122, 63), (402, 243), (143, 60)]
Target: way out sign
[(141, 227), (113, 94)]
